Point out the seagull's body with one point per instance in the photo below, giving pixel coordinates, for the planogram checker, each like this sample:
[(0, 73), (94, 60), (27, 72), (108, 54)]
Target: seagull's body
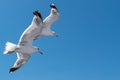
[(48, 21), (37, 29), (24, 48)]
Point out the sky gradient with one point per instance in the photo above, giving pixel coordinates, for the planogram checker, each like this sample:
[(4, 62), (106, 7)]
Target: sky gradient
[(88, 46)]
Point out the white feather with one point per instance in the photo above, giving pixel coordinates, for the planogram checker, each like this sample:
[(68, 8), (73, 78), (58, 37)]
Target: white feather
[(24, 47), (10, 47)]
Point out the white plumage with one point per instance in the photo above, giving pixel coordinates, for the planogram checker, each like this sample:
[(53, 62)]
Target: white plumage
[(37, 29), (10, 47), (48, 21)]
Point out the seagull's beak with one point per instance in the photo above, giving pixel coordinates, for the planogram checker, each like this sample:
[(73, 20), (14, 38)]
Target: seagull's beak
[(40, 52), (57, 35)]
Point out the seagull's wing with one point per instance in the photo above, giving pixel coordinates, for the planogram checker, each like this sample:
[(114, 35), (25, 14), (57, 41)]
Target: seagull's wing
[(32, 32), (53, 16), (21, 60)]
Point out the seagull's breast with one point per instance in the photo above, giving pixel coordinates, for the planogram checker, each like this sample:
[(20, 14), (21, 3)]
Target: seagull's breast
[(25, 49), (46, 32)]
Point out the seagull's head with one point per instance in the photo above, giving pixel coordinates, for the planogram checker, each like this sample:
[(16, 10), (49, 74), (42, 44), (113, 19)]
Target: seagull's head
[(37, 13), (38, 50)]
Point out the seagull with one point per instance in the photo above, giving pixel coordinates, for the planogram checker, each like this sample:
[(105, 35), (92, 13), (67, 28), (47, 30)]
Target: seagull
[(24, 48), (48, 21), (37, 29)]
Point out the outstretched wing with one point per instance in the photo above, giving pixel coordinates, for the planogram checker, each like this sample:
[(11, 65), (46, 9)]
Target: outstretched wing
[(53, 16), (32, 32), (21, 60)]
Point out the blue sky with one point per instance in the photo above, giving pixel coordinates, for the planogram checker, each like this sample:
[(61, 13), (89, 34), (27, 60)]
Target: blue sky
[(88, 46)]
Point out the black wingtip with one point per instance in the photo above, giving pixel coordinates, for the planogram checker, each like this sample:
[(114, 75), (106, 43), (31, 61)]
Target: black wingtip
[(37, 13), (53, 6), (12, 70)]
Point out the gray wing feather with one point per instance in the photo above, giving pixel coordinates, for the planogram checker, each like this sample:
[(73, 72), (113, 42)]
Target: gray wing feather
[(51, 18), (31, 32), (21, 60)]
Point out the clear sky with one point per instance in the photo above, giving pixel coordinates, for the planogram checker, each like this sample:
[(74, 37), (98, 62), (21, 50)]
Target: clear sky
[(88, 46)]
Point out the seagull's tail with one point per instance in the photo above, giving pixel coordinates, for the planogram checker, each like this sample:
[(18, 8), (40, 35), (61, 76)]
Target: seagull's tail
[(9, 48)]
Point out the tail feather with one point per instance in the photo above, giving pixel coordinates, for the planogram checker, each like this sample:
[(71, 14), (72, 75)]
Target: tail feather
[(10, 47)]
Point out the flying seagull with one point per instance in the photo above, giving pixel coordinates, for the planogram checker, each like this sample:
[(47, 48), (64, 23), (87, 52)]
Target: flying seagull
[(37, 29), (24, 48), (48, 21)]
